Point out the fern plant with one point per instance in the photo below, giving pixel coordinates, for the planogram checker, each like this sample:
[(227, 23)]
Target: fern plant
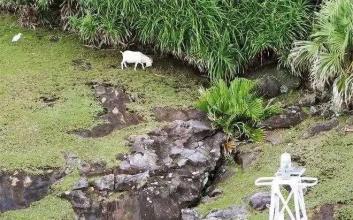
[(236, 108)]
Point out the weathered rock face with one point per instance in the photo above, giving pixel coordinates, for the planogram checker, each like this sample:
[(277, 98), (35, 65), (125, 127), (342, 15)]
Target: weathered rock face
[(190, 214), (231, 213), (247, 154), (274, 81), (117, 116), (321, 127), (325, 212), (171, 114), (289, 118), (260, 200), (167, 171), (308, 99), (269, 87), (18, 190)]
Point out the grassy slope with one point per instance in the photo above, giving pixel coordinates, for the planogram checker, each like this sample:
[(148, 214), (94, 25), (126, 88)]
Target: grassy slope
[(328, 156), (34, 136)]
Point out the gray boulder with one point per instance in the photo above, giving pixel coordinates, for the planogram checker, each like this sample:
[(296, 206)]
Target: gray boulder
[(231, 213), (321, 127), (260, 200), (189, 214), (105, 182), (126, 182), (291, 117), (81, 184)]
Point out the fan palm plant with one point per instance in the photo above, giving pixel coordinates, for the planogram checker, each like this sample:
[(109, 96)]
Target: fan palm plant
[(236, 108), (328, 55)]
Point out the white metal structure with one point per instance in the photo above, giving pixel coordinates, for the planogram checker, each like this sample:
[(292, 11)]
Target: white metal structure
[(292, 177)]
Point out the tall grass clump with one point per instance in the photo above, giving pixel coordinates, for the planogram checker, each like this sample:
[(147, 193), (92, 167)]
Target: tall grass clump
[(328, 54), (236, 108), (218, 37)]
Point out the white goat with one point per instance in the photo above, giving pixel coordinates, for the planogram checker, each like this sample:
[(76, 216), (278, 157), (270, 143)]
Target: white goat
[(135, 57)]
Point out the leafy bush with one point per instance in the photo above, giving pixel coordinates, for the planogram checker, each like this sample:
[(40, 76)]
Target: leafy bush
[(220, 37), (236, 109), (328, 55)]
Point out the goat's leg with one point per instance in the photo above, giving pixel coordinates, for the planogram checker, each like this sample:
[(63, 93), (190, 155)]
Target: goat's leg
[(135, 66), (143, 66), (122, 65)]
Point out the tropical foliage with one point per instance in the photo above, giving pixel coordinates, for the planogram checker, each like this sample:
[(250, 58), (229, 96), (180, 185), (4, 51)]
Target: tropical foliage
[(220, 37), (236, 108), (328, 55)]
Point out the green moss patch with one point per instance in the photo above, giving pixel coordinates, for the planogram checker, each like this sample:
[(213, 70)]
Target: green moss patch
[(328, 156), (35, 135)]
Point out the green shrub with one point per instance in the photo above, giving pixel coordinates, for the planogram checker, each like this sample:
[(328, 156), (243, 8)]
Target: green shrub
[(328, 55), (236, 108)]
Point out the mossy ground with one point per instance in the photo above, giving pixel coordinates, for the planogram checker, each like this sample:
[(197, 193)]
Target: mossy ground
[(328, 156), (34, 136)]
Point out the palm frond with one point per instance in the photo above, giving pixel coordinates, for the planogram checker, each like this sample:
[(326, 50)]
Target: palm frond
[(236, 108), (328, 55)]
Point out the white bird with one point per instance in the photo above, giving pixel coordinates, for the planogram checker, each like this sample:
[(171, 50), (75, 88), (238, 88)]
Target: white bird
[(16, 37)]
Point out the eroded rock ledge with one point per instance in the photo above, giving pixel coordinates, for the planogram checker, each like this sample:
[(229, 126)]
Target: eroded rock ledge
[(116, 115), (167, 170), (19, 189)]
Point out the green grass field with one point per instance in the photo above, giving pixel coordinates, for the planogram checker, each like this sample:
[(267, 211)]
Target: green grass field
[(328, 156), (34, 136)]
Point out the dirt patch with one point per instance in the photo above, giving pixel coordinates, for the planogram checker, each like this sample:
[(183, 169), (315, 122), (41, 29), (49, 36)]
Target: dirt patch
[(18, 190), (82, 64), (171, 114), (325, 212), (48, 100), (116, 114)]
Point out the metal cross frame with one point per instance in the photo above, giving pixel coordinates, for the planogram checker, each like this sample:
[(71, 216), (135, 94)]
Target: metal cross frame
[(291, 177)]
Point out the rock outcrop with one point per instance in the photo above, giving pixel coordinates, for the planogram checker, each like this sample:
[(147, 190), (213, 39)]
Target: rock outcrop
[(290, 117), (321, 127), (19, 189), (116, 116), (230, 213), (259, 201), (167, 170)]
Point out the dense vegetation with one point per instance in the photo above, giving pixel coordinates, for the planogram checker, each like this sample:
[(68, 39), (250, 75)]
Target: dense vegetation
[(236, 109), (221, 37), (328, 55)]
